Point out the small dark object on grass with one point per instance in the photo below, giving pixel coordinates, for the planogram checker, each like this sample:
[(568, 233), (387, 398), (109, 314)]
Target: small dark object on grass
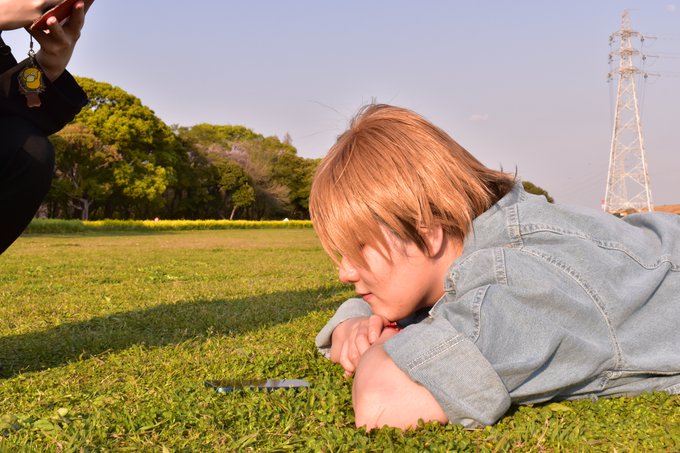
[(263, 384)]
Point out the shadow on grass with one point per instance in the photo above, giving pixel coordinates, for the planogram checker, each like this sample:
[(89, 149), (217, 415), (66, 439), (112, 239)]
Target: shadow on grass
[(158, 326)]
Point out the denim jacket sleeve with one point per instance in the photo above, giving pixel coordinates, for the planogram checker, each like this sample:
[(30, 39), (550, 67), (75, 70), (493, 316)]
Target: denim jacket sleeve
[(469, 390), (351, 308)]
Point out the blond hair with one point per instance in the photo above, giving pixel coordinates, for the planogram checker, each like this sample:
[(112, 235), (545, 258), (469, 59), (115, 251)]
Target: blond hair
[(394, 169)]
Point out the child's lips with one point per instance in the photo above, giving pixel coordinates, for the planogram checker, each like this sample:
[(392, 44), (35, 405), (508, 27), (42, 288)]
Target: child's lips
[(367, 297), (362, 293)]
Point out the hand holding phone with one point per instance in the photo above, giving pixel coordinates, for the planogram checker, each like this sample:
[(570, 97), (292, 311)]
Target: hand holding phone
[(58, 40), (61, 11)]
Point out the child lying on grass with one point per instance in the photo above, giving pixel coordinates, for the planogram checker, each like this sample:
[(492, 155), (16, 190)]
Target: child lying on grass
[(474, 294)]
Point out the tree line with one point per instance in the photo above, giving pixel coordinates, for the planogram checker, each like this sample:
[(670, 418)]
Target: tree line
[(118, 160)]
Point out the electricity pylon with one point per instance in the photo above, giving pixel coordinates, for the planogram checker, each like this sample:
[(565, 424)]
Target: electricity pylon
[(627, 181)]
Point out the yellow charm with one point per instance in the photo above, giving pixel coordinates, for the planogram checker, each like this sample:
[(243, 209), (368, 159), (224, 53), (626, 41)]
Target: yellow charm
[(31, 85), (31, 80)]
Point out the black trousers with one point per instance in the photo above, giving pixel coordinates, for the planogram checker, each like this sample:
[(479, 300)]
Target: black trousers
[(26, 169)]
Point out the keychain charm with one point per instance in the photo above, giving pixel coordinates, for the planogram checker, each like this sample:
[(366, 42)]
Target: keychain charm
[(31, 80)]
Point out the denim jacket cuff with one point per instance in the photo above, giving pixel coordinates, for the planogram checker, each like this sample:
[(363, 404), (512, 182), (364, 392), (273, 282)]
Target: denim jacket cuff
[(447, 363)]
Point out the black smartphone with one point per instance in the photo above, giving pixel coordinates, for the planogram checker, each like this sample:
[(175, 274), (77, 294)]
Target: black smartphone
[(226, 386)]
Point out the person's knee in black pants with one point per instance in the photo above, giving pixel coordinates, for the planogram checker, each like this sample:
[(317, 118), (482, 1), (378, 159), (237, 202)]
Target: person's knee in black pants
[(26, 170)]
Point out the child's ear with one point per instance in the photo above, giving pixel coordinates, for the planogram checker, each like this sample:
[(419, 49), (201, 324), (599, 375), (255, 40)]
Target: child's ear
[(435, 238)]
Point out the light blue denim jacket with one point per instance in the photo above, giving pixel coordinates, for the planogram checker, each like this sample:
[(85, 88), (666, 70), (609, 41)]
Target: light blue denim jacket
[(546, 302)]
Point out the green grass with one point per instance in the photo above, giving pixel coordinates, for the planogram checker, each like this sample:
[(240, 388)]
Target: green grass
[(106, 340)]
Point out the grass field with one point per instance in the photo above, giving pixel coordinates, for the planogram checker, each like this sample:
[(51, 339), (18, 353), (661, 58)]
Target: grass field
[(106, 341)]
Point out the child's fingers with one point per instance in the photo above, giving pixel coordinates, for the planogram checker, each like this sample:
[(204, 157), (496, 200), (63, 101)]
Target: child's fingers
[(361, 343), (375, 327), (354, 349), (345, 360)]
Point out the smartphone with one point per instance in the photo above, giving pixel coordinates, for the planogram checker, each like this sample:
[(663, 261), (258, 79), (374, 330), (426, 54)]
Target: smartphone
[(262, 384), (61, 11)]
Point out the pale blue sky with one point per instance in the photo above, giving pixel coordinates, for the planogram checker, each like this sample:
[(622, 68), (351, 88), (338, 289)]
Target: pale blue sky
[(520, 83)]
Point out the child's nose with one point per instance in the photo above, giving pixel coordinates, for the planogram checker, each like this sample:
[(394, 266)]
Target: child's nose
[(346, 272)]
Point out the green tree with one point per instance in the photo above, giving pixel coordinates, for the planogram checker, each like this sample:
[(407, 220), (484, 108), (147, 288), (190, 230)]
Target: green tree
[(243, 197), (83, 173), (148, 148), (279, 178), (295, 173), (118, 160), (235, 185), (220, 135), (196, 193)]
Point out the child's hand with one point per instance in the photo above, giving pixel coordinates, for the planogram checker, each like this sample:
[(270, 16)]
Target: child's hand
[(353, 337)]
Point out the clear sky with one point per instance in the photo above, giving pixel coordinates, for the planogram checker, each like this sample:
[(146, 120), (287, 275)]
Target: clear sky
[(521, 84)]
